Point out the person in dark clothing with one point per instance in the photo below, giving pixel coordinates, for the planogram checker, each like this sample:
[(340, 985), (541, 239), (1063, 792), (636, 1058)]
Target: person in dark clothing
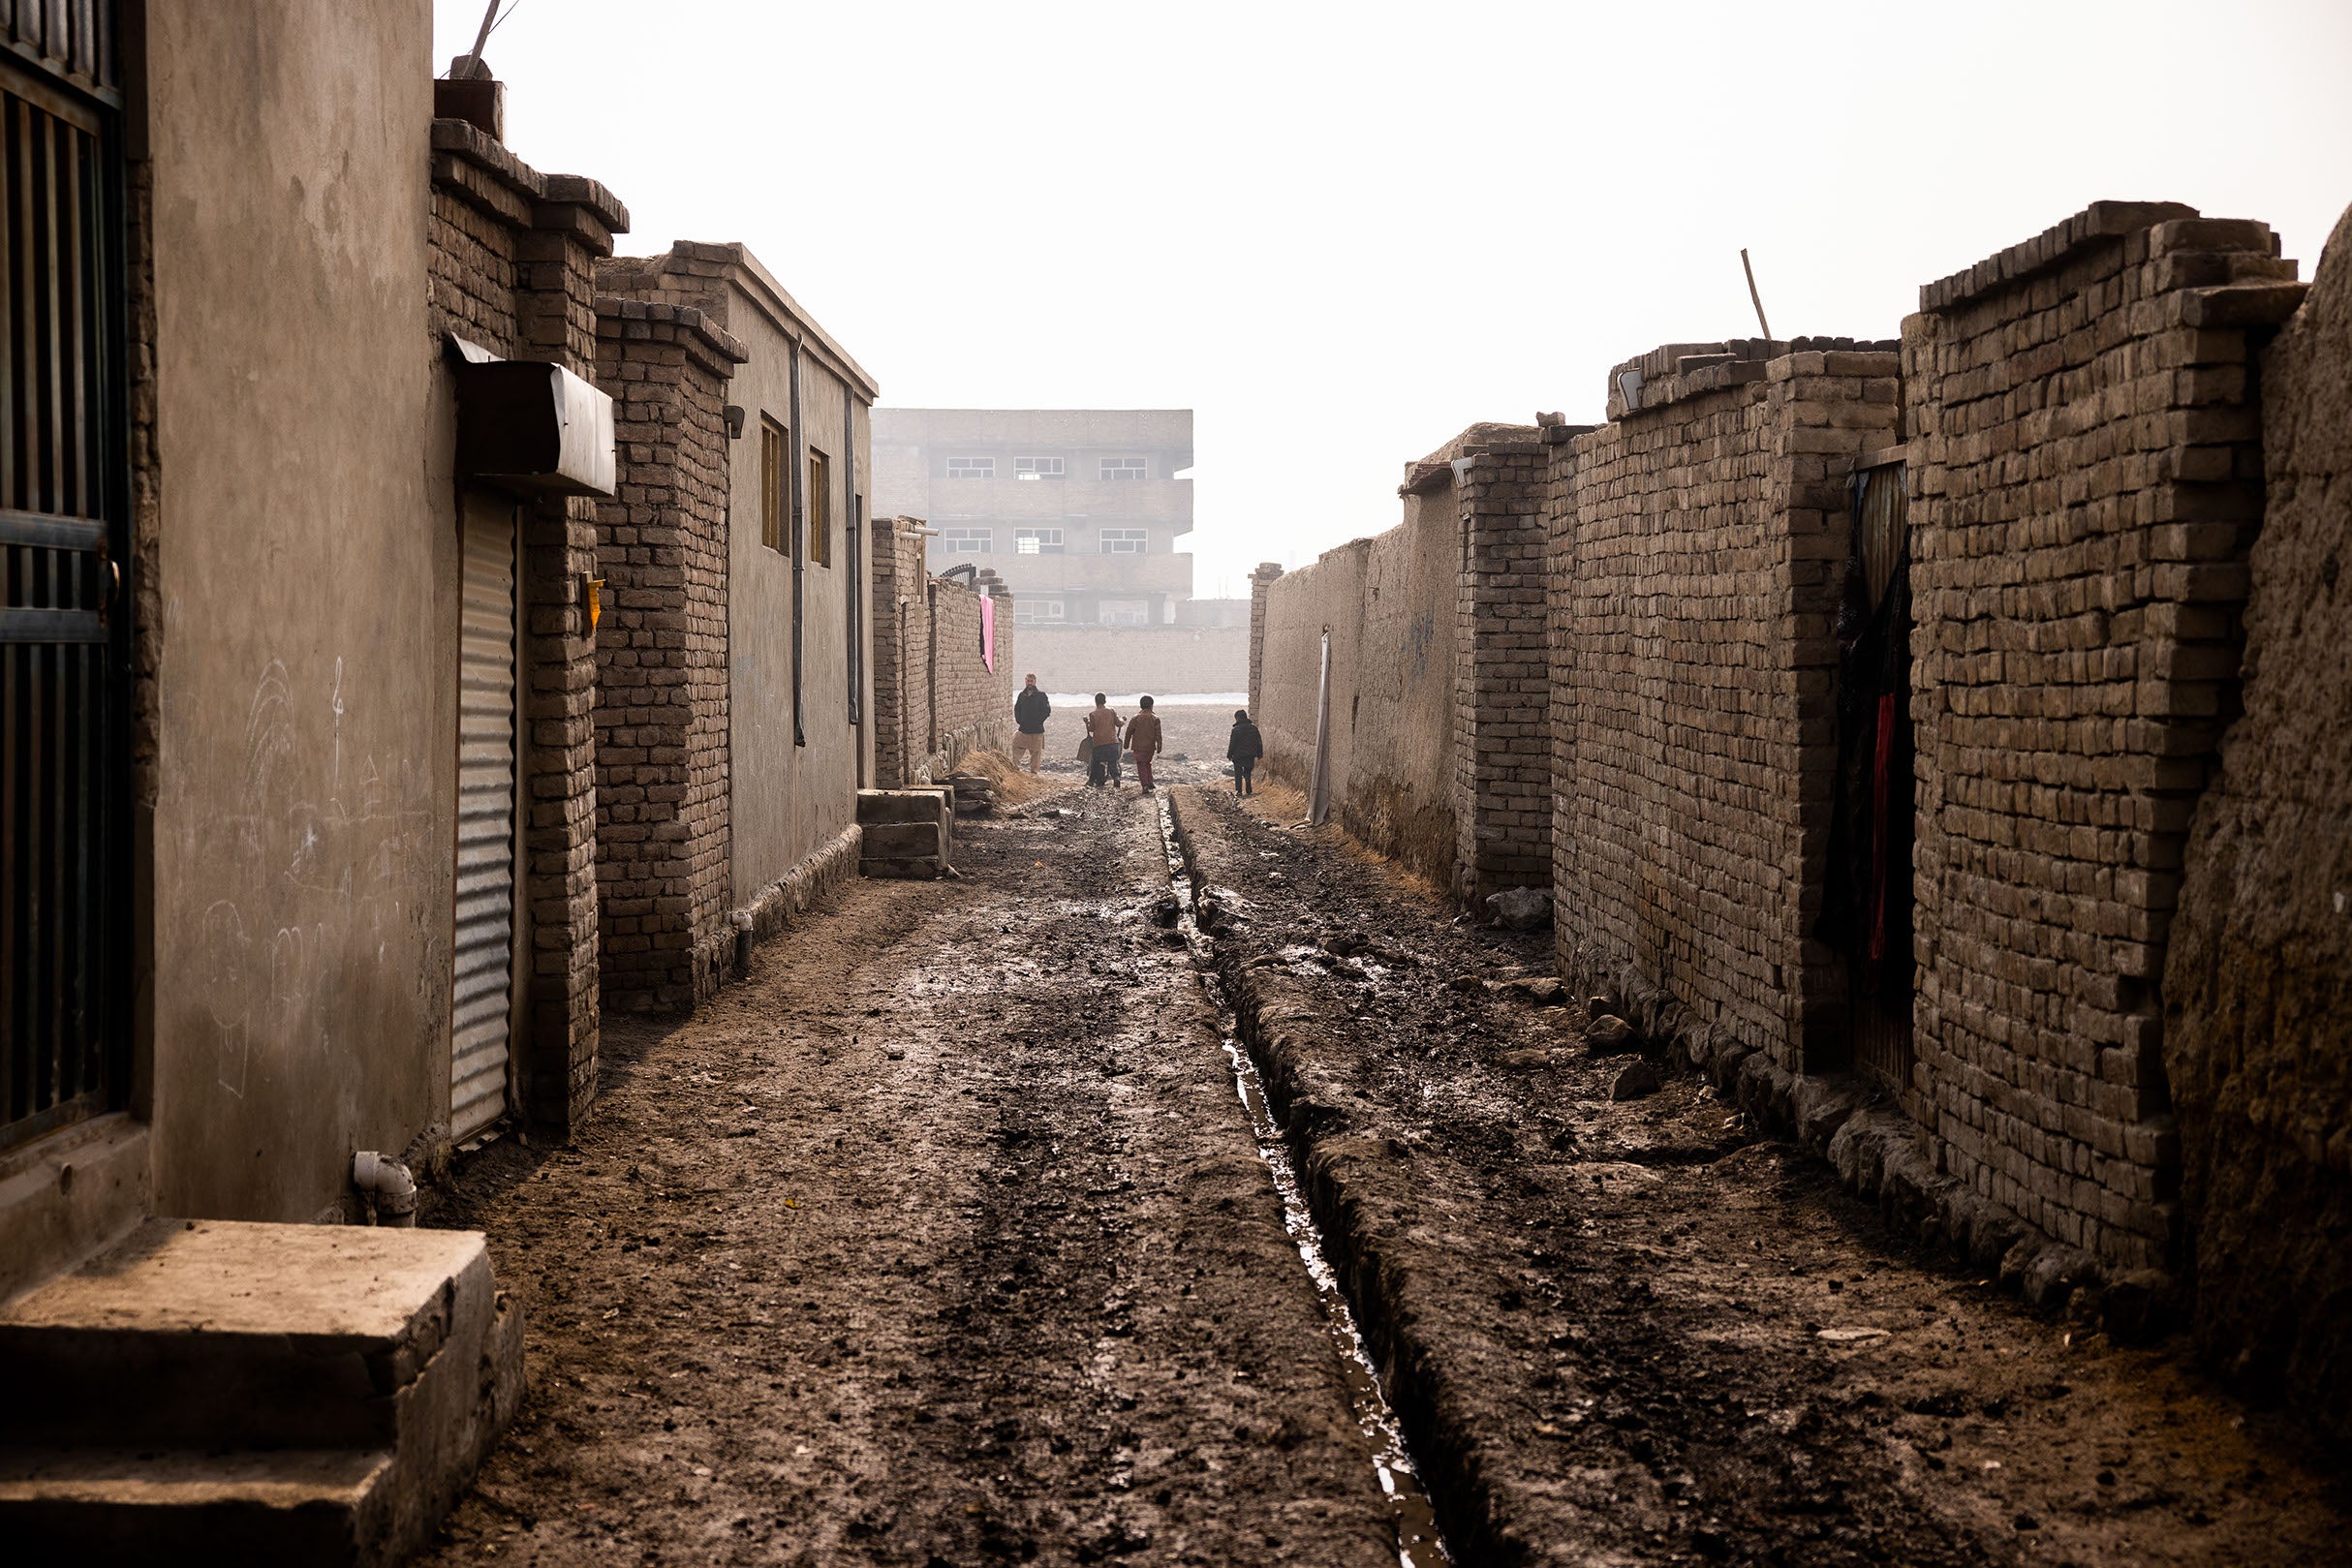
[(1029, 711), (1244, 750)]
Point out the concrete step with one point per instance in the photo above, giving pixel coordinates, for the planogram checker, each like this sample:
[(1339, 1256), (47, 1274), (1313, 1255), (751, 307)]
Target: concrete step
[(922, 804), (193, 1340), (904, 840), (98, 1506)]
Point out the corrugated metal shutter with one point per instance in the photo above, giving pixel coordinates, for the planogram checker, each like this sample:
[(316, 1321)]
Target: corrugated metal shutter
[(482, 996)]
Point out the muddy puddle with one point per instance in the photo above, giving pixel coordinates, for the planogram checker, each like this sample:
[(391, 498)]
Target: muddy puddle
[(1419, 1544)]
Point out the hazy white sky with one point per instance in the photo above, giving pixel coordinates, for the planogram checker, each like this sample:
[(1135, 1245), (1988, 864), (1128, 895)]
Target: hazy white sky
[(1341, 231)]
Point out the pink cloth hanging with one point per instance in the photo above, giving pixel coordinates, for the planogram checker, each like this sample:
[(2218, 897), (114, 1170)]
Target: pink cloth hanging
[(988, 632)]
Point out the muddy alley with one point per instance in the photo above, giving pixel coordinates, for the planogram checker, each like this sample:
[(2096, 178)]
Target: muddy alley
[(945, 1239)]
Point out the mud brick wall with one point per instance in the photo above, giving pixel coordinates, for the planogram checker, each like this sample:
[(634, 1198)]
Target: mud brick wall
[(2258, 971), (1260, 581), (514, 253), (1699, 540), (1288, 627), (1502, 786), (934, 699), (1439, 667), (2085, 472), (970, 704), (901, 650), (661, 723)]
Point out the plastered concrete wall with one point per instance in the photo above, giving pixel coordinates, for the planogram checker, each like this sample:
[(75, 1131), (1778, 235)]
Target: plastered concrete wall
[(2258, 972), (1159, 659), (304, 575), (2086, 482), (789, 800), (1697, 540)]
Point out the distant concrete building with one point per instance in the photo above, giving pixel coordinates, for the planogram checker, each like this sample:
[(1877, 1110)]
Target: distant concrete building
[(1080, 510)]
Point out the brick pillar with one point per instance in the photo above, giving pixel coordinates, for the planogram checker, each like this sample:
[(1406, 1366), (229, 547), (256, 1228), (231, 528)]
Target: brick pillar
[(1558, 516), (1260, 580), (555, 320), (1502, 763), (661, 702)]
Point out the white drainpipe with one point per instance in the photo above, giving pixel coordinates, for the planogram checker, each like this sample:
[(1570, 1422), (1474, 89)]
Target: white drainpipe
[(389, 1183)]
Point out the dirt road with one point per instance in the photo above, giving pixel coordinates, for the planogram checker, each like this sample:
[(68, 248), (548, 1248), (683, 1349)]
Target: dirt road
[(945, 1240), (942, 1240), (1633, 1332)]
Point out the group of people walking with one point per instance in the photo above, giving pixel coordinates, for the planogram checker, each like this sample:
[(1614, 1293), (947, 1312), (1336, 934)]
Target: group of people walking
[(1106, 735)]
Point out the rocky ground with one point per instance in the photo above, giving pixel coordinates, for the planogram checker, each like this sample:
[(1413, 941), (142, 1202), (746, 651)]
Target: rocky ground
[(945, 1240)]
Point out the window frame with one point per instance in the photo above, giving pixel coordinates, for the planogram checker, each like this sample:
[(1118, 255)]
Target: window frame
[(988, 467), (775, 485), (1125, 470), (819, 521), (1036, 536), (1139, 538), (1024, 468), (951, 538)]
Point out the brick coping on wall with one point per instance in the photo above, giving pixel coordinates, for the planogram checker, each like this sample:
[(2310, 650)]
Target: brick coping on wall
[(1677, 372), (721, 350), (459, 146)]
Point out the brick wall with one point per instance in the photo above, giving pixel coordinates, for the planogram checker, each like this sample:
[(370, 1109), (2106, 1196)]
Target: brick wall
[(513, 259), (1697, 542), (2086, 473), (902, 650), (661, 720), (2258, 970), (934, 699)]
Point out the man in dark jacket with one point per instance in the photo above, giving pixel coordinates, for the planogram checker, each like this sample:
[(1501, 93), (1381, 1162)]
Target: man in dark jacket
[(1029, 711), (1243, 749)]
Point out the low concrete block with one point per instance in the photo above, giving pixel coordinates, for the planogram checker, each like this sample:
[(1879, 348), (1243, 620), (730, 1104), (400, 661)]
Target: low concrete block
[(904, 840), (199, 1376)]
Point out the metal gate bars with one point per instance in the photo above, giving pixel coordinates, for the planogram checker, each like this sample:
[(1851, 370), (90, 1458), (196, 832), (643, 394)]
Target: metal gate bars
[(63, 643)]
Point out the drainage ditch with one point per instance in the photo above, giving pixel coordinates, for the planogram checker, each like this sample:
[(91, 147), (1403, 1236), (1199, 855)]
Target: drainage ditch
[(1418, 1543)]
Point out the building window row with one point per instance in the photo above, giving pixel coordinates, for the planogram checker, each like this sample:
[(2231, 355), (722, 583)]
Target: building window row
[(1041, 542), (1047, 468)]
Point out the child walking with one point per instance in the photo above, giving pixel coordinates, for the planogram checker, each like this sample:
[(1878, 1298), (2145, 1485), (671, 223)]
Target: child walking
[(1243, 749)]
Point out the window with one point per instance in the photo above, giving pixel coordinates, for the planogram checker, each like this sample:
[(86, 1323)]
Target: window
[(1037, 468), (1037, 542), (820, 508), (775, 483), (1126, 612), (1126, 468), (1123, 541), (1030, 611), (971, 468), (966, 541)]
